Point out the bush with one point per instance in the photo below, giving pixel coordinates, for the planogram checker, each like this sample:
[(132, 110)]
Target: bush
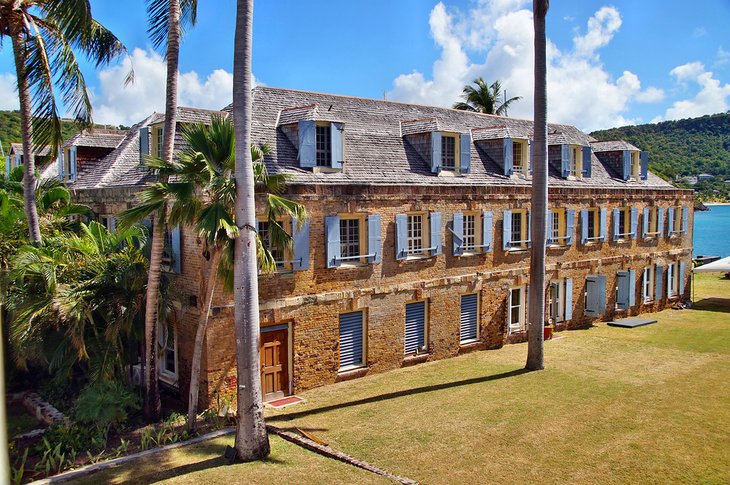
[(70, 438), (106, 404)]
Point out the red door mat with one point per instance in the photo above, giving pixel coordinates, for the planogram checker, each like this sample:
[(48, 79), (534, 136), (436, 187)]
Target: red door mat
[(285, 401)]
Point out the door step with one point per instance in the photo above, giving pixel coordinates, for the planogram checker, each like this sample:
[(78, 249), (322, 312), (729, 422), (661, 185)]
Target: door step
[(284, 402)]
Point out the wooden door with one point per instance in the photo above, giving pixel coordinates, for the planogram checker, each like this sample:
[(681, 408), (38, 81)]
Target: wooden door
[(274, 364)]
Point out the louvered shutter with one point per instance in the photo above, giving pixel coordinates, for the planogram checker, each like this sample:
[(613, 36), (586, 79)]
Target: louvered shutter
[(465, 152), (529, 230), (670, 221), (682, 267), (584, 214), (591, 303), (569, 226), (626, 165), (622, 295), (565, 159), (529, 150), (632, 287), (300, 236), (601, 298), (468, 320), (634, 221), (587, 165), (507, 156), (435, 239), (60, 163), (144, 144), (435, 151), (332, 231), (615, 224), (548, 227), (336, 137), (375, 245), (487, 219), (72, 163), (351, 340), (175, 248), (507, 230), (112, 224), (685, 220), (415, 338), (644, 165), (7, 165), (568, 299), (307, 144), (401, 236), (660, 221), (457, 234), (658, 282), (602, 215), (645, 223)]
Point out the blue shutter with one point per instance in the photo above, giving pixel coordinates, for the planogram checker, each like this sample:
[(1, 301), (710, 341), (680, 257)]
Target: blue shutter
[(351, 341), (634, 221), (565, 159), (632, 287), (645, 223), (507, 156), (601, 299), (644, 165), (602, 234), (401, 236), (72, 163), (487, 218), (587, 165), (415, 327), (300, 238), (457, 234), (307, 144), (332, 231), (60, 163), (660, 221), (627, 165), (682, 266), (435, 151), (338, 154), (7, 165), (685, 220), (569, 226), (435, 226), (529, 230), (568, 299), (375, 243), (622, 295), (584, 214), (591, 300), (548, 225), (507, 230), (670, 221), (176, 255), (615, 224), (144, 144), (468, 320), (659, 272), (465, 149)]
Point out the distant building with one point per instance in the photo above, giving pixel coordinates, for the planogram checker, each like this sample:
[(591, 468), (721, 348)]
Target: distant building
[(704, 176), (690, 179), (15, 156)]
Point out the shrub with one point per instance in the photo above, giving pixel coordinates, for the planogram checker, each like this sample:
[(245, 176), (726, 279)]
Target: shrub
[(106, 404)]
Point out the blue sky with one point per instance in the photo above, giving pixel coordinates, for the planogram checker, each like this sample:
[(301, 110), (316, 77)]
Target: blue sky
[(611, 63)]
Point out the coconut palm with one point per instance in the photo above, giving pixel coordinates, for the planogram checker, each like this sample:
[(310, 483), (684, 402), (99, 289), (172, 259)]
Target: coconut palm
[(44, 35), (539, 199), (167, 20), (202, 196), (252, 442), (485, 99)]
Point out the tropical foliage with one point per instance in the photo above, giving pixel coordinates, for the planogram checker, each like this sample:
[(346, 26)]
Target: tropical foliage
[(483, 98)]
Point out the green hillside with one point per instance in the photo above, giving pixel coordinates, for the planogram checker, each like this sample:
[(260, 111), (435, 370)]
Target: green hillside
[(684, 148)]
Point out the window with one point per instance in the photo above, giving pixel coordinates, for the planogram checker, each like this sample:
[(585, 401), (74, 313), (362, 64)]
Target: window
[(648, 284), (265, 234), (624, 223), (635, 165), (560, 300), (678, 220), (469, 318), (576, 161), (321, 144), (448, 152), (516, 309), (672, 280), (595, 295), (352, 344), (625, 289), (560, 227), (159, 137), (324, 146), (652, 222), (418, 235), (593, 225), (171, 256), (516, 230), (472, 232), (520, 156), (415, 328), (108, 221), (353, 239), (167, 341)]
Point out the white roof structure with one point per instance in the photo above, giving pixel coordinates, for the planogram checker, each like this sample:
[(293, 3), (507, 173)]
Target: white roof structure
[(719, 266)]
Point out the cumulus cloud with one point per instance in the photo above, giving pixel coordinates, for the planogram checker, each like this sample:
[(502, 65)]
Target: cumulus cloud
[(8, 92), (712, 97), (115, 103), (580, 90)]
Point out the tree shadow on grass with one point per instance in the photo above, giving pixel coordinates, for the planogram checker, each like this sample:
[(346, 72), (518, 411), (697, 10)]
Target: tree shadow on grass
[(397, 394), (713, 305)]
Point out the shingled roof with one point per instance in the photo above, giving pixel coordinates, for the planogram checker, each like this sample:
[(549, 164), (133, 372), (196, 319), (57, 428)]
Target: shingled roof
[(99, 138), (611, 146), (17, 149), (377, 153)]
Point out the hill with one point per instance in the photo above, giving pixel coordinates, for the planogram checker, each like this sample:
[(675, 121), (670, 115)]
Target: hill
[(688, 147)]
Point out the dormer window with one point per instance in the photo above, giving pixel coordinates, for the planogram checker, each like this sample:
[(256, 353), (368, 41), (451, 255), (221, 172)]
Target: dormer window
[(520, 156), (159, 135), (324, 145), (321, 144), (635, 165), (450, 152), (575, 161)]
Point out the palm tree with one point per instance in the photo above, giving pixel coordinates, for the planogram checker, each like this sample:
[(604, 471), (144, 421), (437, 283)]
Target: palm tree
[(485, 99), (44, 34), (202, 196), (539, 200), (167, 19), (252, 442)]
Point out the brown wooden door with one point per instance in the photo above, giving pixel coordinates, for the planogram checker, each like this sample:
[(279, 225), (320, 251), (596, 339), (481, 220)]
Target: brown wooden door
[(274, 364)]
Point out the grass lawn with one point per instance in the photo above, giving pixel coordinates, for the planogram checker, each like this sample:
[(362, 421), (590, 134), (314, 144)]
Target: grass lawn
[(650, 404)]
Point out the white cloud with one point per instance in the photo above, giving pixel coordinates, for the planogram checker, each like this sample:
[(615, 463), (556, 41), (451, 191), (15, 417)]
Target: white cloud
[(116, 103), (713, 97), (8, 92), (722, 57), (580, 90)]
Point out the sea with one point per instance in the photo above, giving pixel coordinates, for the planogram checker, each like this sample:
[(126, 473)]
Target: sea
[(712, 231)]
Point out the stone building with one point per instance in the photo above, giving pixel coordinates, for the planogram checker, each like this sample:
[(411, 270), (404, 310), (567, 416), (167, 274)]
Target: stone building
[(417, 243)]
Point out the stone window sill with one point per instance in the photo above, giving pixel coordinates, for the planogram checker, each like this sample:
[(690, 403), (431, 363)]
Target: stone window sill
[(412, 359), (352, 373)]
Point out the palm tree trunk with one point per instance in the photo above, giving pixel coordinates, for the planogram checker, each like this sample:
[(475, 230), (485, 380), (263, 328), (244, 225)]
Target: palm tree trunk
[(26, 125), (536, 307), (207, 288), (252, 442), (152, 408)]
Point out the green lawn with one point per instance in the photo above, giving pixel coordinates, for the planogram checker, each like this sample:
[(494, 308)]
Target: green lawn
[(650, 404)]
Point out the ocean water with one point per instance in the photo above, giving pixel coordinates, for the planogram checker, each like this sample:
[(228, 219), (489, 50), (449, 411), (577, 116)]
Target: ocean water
[(712, 232)]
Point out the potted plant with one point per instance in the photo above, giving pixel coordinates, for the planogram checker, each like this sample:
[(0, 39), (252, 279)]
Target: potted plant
[(548, 329)]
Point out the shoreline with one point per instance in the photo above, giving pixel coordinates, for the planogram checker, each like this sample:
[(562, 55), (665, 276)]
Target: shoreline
[(716, 203)]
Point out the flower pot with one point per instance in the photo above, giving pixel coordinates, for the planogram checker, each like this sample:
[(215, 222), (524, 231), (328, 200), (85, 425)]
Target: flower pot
[(548, 332)]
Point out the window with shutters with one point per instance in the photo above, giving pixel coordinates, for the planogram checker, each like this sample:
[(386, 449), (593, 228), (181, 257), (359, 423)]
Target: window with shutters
[(677, 220), (471, 232), (652, 222), (469, 318), (556, 301), (516, 303), (416, 327), (167, 253), (594, 303), (353, 240), (520, 157), (625, 289), (323, 145), (266, 230), (560, 227), (517, 230), (624, 223), (647, 284), (449, 152), (576, 161), (159, 140), (352, 340), (416, 233), (593, 224), (108, 221), (171, 255), (672, 280), (167, 348)]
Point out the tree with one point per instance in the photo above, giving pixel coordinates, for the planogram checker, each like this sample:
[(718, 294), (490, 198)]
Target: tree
[(44, 34), (166, 21), (252, 442), (202, 196), (536, 304), (485, 99)]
